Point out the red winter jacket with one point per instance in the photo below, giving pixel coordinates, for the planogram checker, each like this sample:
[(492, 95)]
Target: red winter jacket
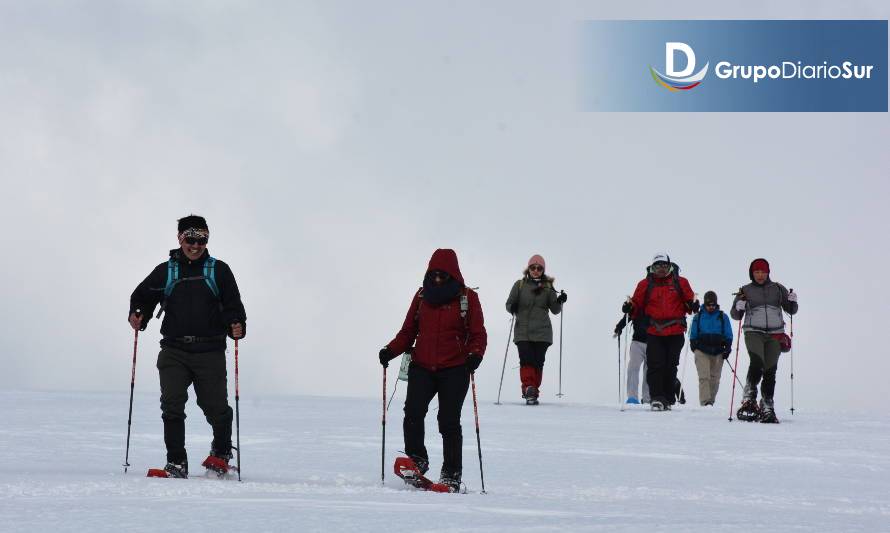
[(664, 304), (444, 338)]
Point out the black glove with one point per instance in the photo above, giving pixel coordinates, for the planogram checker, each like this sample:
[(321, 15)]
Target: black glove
[(726, 353), (385, 356), (562, 297), (514, 308), (627, 308), (694, 306), (618, 331), (473, 362)]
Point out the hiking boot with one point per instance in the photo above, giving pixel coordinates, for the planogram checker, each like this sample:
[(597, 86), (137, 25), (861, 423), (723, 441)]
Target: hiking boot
[(422, 464), (632, 400), (768, 411), (178, 470), (657, 405), (451, 480)]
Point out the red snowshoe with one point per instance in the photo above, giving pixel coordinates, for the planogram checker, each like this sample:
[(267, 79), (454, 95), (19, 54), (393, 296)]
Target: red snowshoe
[(219, 464), (179, 471), (405, 468)]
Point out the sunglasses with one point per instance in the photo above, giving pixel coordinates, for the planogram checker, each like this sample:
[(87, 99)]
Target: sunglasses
[(661, 264), (709, 304), (438, 274), (536, 268), (196, 240)]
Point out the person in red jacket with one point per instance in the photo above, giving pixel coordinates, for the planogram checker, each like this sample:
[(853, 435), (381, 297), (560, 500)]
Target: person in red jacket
[(665, 298), (445, 319)]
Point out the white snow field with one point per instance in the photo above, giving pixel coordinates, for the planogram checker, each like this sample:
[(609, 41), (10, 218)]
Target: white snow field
[(313, 464)]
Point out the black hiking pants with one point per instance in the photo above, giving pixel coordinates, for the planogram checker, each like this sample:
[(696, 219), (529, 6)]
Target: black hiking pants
[(206, 371), (451, 384), (662, 359)]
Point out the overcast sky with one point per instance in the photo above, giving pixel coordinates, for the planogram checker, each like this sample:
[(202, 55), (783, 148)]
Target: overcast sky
[(332, 146)]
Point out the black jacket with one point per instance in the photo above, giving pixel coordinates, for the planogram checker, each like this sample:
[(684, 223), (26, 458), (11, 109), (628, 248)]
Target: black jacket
[(641, 324), (192, 309)]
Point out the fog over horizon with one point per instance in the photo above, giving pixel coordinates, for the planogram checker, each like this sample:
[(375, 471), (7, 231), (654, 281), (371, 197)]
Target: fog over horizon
[(332, 146)]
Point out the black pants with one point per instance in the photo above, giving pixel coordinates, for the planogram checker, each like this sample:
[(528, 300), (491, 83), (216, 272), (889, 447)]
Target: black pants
[(764, 353), (532, 353), (207, 372), (662, 359), (451, 384)]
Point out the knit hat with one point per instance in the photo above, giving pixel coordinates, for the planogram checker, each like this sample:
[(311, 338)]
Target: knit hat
[(758, 264), (537, 260), (710, 297), (192, 221)]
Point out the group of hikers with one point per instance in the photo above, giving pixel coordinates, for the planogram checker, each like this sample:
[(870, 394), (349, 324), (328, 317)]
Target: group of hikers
[(658, 310), (444, 334)]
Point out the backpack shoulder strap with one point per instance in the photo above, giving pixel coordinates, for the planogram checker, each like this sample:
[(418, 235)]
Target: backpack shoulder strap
[(648, 292), (210, 275), (172, 276), (419, 299)]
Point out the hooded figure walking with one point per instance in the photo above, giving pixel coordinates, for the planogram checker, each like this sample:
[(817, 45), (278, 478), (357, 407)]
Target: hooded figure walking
[(445, 319)]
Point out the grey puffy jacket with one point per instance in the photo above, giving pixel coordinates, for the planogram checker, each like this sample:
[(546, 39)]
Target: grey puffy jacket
[(764, 307)]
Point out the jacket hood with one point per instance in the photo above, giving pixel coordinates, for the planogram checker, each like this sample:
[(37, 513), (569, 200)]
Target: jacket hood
[(445, 259)]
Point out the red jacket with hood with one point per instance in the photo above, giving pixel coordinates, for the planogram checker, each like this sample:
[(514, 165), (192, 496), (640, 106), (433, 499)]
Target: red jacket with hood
[(664, 304), (444, 338)]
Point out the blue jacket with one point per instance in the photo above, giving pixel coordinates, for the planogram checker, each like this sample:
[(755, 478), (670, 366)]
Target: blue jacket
[(711, 332)]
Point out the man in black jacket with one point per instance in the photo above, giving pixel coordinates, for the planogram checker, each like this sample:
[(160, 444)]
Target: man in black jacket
[(201, 305)]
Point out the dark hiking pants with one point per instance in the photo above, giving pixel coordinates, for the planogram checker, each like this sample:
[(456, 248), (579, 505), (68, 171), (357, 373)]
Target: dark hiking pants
[(451, 384), (764, 353), (206, 371), (662, 359)]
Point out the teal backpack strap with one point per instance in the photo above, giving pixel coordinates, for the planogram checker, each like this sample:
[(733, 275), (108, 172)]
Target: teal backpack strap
[(172, 277), (210, 275)]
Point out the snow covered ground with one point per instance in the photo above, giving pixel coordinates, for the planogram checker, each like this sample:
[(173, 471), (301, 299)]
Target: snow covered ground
[(313, 464)]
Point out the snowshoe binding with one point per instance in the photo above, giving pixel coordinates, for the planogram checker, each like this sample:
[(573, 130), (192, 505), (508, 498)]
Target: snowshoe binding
[(749, 411), (171, 470), (452, 481), (657, 405), (218, 463), (768, 412), (412, 474)]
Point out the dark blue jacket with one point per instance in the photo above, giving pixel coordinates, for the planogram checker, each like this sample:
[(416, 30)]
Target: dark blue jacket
[(711, 332)]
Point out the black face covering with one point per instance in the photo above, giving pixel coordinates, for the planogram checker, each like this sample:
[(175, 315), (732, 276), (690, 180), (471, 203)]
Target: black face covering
[(440, 294)]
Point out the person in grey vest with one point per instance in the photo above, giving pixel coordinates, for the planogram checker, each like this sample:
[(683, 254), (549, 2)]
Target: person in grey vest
[(760, 305)]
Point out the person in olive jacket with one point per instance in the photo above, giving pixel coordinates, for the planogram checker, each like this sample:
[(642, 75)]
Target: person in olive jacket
[(201, 305), (531, 300), (445, 319)]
